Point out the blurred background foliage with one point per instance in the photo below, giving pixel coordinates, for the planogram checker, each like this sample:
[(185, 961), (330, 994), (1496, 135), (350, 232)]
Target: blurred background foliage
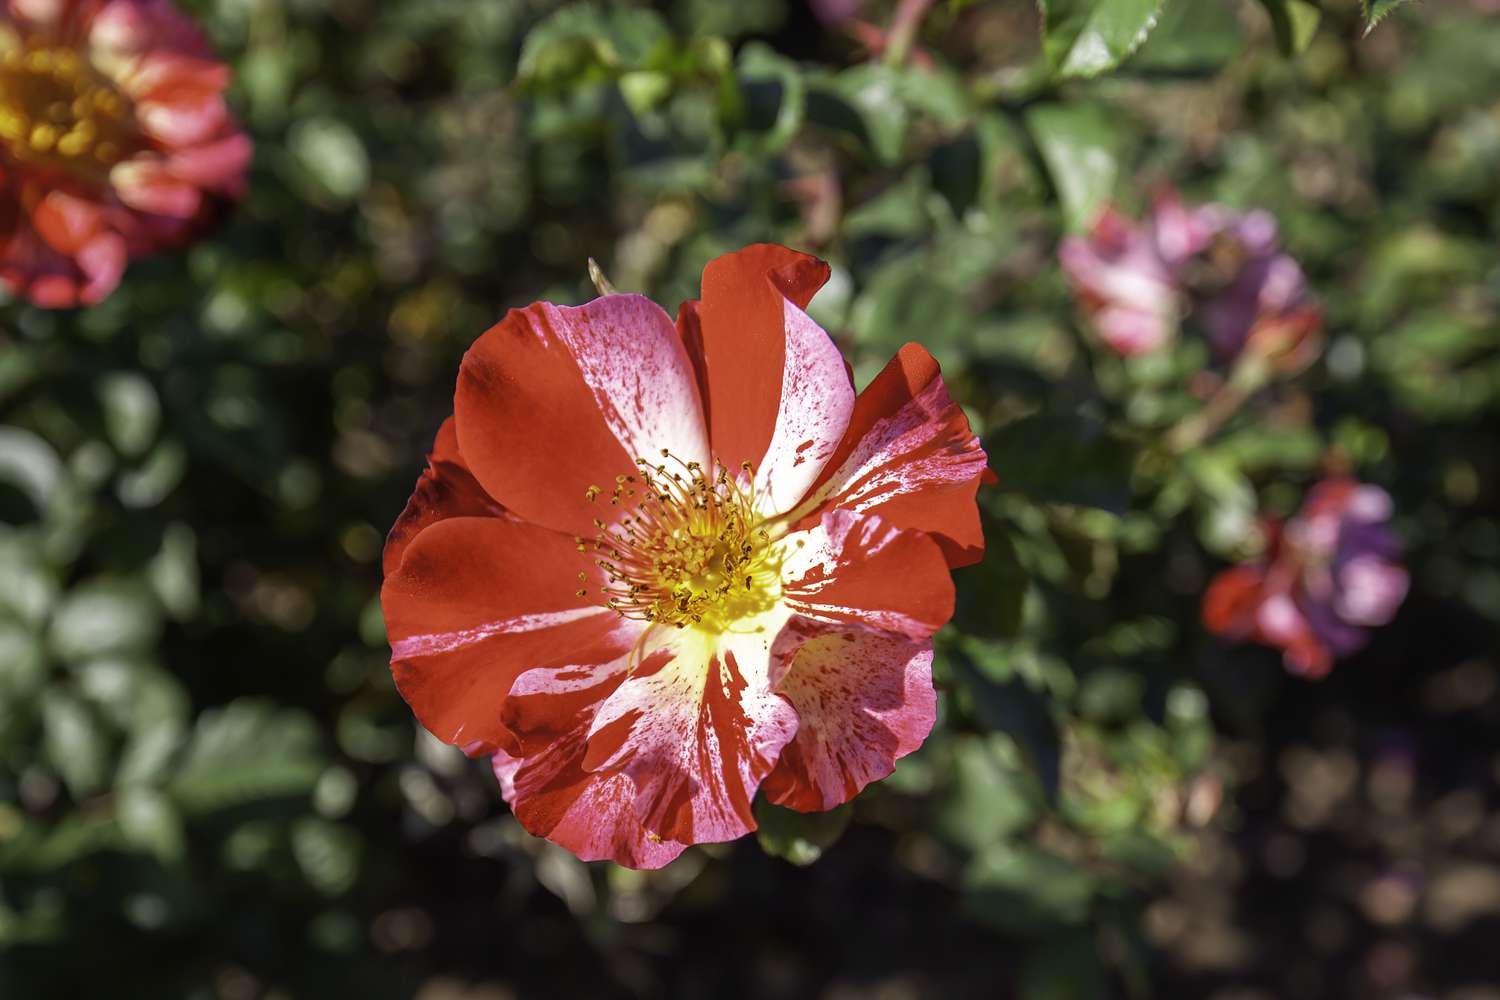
[(209, 787)]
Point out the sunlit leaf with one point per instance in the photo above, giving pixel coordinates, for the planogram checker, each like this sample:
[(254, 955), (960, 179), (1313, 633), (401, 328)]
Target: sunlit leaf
[(1378, 10), (1294, 23), (131, 411), (1081, 145), (1088, 37), (244, 752)]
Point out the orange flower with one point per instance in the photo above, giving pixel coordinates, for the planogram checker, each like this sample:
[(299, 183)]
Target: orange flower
[(115, 141), (652, 568)]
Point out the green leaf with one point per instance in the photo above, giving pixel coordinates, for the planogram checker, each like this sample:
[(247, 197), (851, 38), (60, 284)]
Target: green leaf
[(173, 572), (245, 752), (1024, 889), (42, 849), (799, 837), (994, 793), (873, 89), (1081, 146), (155, 478), (1378, 10), (1089, 37), (772, 99), (131, 411), (29, 464), (1062, 458), (23, 664), (1022, 714), (75, 743), (1193, 36), (1294, 23), (150, 823), (328, 854), (330, 158), (28, 587), (103, 616), (1110, 695), (581, 44)]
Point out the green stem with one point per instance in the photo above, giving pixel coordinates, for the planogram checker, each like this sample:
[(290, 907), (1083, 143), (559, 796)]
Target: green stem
[(1249, 375)]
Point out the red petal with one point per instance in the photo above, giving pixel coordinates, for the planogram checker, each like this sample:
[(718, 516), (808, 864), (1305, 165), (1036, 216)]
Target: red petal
[(743, 321), (475, 602), (856, 569), (1230, 603), (146, 185), (910, 457), (66, 222), (217, 166), (103, 261), (864, 700), (447, 489), (552, 401)]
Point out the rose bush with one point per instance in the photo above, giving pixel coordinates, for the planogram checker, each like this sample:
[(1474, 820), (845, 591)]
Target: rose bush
[(211, 784)]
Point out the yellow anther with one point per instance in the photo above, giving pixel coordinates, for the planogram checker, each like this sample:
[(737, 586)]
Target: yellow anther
[(57, 106), (43, 137), (691, 552)]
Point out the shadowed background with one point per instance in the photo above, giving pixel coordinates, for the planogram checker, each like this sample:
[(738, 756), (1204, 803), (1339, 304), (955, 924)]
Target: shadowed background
[(210, 789)]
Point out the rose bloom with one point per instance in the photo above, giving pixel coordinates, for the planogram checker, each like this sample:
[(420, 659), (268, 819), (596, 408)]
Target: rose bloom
[(654, 567), (115, 142), (1330, 575), (1219, 269)]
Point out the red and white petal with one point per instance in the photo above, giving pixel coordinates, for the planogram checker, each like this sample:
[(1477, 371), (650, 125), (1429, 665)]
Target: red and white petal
[(102, 261), (446, 489), (863, 701), (778, 392), (696, 728), (857, 569), (553, 401), (542, 776), (1129, 331), (146, 185), (910, 457), (39, 12), (191, 118), (552, 796), (218, 166), (817, 400), (476, 601), (126, 27), (33, 269)]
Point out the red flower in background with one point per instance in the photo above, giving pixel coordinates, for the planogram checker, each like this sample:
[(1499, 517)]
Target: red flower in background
[(115, 141), (1330, 575), (653, 567), (1219, 269)]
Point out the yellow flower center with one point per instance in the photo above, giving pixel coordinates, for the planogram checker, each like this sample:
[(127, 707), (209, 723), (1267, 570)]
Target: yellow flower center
[(691, 553), (57, 109)]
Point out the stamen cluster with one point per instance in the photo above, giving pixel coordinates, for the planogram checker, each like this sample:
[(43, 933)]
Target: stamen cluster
[(54, 107), (691, 552)]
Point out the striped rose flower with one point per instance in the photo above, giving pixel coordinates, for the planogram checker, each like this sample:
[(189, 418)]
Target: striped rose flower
[(115, 142), (654, 567)]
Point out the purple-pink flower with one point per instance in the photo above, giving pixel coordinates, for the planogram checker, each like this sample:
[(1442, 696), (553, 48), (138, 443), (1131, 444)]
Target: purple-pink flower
[(1330, 575), (1210, 267)]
